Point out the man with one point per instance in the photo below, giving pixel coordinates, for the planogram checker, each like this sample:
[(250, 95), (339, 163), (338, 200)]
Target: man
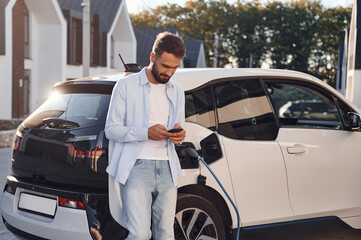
[(143, 159)]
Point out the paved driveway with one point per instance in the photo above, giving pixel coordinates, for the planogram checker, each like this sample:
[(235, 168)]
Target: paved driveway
[(4, 163)]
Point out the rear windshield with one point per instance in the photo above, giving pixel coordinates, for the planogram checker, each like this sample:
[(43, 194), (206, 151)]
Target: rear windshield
[(70, 110)]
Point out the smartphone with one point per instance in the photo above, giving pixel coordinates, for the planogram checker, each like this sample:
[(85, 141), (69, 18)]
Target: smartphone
[(174, 130)]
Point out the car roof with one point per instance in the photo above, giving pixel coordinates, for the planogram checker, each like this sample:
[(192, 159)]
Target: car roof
[(190, 78)]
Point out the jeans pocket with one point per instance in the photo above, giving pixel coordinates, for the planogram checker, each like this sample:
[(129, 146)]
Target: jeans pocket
[(137, 162)]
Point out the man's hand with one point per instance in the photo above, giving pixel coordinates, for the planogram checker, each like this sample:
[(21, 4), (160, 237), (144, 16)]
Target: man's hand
[(178, 137), (158, 132)]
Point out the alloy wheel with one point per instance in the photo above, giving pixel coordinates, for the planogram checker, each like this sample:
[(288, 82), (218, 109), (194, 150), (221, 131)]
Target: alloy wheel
[(194, 224)]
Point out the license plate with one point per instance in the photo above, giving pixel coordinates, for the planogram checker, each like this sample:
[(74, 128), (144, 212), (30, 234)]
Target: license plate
[(37, 204)]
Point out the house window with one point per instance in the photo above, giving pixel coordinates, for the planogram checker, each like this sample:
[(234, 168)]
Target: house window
[(76, 42), (94, 40), (26, 33), (112, 52), (26, 92), (103, 47)]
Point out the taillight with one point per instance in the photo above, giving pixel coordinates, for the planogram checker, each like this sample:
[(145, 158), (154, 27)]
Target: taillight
[(93, 155), (16, 143), (96, 153), (69, 203), (10, 189)]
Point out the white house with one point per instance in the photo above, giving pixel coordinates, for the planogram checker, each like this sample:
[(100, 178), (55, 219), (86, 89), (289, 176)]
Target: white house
[(41, 44), (195, 56), (349, 67), (353, 82)]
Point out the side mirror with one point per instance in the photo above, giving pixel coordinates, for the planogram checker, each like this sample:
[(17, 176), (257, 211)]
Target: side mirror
[(211, 149), (354, 120)]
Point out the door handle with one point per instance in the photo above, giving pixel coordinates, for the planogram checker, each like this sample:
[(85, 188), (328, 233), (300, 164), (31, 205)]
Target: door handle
[(297, 149)]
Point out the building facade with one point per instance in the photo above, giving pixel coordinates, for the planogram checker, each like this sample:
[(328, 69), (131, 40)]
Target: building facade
[(195, 56), (349, 66), (353, 81), (41, 44)]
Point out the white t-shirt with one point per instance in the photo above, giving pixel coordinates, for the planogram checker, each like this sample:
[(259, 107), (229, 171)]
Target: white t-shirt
[(158, 114)]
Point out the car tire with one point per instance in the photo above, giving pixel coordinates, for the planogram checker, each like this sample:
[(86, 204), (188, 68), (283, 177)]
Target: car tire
[(197, 218)]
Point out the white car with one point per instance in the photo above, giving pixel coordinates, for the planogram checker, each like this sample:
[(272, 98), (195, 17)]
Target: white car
[(278, 168)]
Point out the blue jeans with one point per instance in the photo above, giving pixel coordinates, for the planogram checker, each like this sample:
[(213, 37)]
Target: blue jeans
[(149, 201)]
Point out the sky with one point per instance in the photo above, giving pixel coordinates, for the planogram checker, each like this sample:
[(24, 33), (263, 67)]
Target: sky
[(135, 6)]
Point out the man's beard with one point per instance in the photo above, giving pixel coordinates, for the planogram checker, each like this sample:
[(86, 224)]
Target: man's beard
[(158, 75)]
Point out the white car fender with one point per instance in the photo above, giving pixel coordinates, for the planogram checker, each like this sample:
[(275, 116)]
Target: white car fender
[(195, 134)]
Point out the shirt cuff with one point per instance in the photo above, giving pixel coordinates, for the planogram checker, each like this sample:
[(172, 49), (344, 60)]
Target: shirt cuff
[(142, 133)]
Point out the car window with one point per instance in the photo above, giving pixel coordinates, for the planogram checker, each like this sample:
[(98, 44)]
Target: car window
[(199, 107), (302, 106), (243, 111), (71, 110)]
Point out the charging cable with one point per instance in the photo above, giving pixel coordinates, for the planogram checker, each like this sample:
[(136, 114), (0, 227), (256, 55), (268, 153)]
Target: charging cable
[(193, 153)]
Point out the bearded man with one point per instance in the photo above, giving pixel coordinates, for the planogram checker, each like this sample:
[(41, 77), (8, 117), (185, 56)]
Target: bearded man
[(143, 107)]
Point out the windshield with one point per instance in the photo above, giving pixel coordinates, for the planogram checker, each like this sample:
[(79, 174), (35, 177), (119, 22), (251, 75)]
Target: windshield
[(70, 111)]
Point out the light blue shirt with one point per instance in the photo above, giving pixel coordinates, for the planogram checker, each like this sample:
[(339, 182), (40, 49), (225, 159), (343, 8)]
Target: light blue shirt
[(126, 126)]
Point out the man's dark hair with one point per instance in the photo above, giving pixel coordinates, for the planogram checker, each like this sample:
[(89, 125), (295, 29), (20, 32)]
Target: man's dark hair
[(170, 43)]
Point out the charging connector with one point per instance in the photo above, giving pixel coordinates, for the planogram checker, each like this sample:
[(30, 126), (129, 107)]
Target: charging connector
[(193, 153)]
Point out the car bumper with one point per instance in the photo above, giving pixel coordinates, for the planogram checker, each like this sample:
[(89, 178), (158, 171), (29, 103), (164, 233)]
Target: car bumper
[(95, 222), (66, 224)]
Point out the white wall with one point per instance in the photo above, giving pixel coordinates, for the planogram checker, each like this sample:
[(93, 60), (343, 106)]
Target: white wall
[(74, 71), (6, 69), (6, 86), (125, 42), (31, 63), (127, 52), (201, 62), (48, 49), (353, 92), (50, 64), (353, 85)]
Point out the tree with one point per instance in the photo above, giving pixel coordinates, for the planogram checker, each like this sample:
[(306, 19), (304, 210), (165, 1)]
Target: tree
[(299, 35), (247, 34), (196, 20), (331, 26), (290, 34)]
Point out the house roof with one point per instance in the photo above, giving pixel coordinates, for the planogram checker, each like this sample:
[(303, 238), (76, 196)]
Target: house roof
[(145, 39), (4, 2), (193, 47), (106, 9)]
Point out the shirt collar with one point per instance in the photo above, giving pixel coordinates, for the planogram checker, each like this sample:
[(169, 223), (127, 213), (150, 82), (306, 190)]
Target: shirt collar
[(144, 80), (143, 77)]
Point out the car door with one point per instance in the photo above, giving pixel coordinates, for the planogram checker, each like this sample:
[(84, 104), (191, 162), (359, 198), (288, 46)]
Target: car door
[(248, 130), (323, 158)]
